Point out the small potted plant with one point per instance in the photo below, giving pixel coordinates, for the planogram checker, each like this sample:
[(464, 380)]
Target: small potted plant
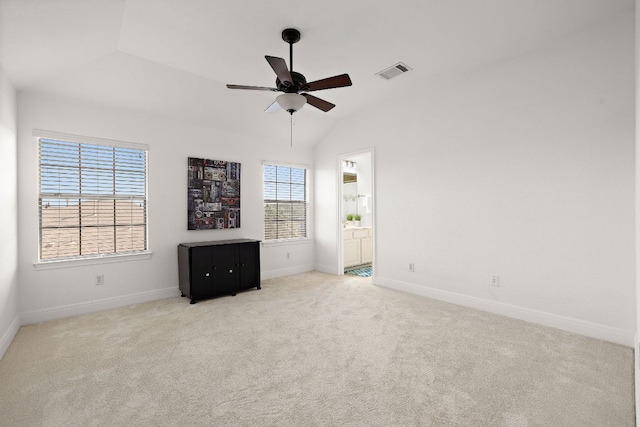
[(349, 220), (357, 219)]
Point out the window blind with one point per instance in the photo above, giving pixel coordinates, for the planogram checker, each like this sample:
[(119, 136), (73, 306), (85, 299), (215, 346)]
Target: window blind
[(285, 202), (92, 199)]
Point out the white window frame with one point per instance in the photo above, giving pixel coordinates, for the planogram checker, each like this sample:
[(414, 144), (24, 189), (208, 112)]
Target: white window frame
[(308, 175), (93, 258)]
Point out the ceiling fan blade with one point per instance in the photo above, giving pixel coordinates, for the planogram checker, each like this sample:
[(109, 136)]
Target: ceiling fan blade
[(273, 89), (329, 83), (280, 67), (273, 107), (318, 103)]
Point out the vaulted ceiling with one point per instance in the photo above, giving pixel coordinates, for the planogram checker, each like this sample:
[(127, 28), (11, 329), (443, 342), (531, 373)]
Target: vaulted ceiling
[(172, 58)]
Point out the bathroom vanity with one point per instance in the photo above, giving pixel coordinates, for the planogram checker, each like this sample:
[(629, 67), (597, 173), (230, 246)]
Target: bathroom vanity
[(358, 246)]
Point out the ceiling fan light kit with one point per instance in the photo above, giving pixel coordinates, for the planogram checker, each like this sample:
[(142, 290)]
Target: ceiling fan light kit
[(291, 102)]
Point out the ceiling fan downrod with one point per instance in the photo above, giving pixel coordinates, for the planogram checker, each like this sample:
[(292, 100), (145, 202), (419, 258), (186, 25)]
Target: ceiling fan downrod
[(291, 36)]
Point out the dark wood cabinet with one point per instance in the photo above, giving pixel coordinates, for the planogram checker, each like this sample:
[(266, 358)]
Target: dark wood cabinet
[(210, 269)]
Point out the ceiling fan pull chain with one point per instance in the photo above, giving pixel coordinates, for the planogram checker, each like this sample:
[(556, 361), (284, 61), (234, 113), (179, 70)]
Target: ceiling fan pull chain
[(291, 119)]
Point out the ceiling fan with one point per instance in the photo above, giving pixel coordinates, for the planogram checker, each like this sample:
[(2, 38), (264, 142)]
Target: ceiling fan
[(295, 85)]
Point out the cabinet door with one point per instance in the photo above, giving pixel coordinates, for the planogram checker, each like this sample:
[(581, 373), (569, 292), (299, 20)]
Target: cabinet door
[(202, 273), (366, 250), (225, 272), (351, 252), (249, 265)]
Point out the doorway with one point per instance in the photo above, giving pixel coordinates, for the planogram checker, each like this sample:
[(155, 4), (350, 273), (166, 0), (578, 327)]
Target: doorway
[(356, 213)]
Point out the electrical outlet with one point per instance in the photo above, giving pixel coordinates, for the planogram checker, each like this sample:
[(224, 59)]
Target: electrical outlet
[(412, 267), (495, 280), (100, 279)]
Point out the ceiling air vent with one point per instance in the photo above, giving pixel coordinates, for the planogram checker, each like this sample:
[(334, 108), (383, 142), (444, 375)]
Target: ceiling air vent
[(393, 71)]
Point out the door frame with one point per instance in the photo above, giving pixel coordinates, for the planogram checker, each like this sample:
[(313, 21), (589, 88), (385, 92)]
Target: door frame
[(340, 214)]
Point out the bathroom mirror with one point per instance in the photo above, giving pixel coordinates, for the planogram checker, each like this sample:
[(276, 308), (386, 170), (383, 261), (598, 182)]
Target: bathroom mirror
[(349, 177)]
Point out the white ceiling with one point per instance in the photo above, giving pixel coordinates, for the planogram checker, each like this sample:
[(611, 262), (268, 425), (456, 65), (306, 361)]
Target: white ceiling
[(172, 58)]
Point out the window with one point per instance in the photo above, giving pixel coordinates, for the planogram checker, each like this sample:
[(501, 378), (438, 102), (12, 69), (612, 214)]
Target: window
[(285, 202), (92, 198)]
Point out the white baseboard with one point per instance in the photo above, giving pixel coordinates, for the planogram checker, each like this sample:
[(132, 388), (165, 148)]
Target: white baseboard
[(636, 372), (577, 326), (9, 335), (289, 271), (96, 305), (326, 269)]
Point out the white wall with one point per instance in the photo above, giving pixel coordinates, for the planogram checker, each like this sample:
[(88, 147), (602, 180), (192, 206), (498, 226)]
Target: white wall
[(9, 318), (52, 293), (524, 169)]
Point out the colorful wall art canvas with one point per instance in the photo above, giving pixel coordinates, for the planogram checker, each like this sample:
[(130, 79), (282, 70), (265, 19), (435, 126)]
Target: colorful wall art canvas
[(214, 194)]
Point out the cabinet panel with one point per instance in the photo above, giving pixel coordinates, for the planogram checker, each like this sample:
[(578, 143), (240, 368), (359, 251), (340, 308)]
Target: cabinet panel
[(224, 269), (249, 265), (351, 252), (359, 234), (201, 274), (366, 250)]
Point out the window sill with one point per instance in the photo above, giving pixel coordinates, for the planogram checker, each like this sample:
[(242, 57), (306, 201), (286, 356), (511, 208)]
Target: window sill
[(284, 242), (104, 259)]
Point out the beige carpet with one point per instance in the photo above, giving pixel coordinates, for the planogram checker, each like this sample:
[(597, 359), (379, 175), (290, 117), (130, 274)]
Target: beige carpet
[(310, 350)]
